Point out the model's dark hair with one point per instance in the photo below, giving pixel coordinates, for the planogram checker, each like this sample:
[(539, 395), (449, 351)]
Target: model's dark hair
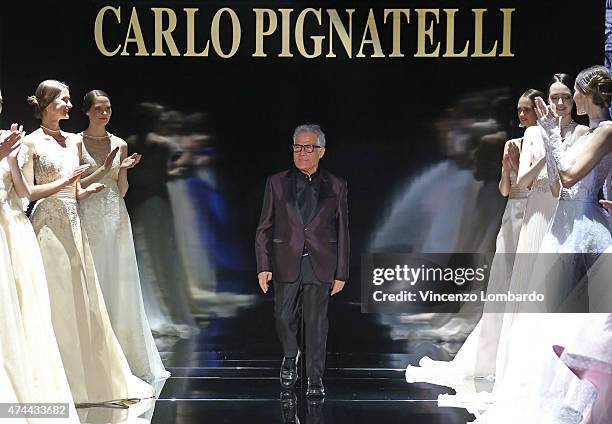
[(531, 94), (46, 93), (565, 79), (90, 99)]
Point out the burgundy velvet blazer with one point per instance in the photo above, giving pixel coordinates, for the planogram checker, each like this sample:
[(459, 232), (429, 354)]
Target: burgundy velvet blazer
[(281, 234)]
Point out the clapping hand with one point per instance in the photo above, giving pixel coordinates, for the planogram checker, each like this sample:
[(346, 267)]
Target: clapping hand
[(94, 188), (547, 114), (108, 162), (513, 155), (11, 142), (131, 161), (75, 174), (510, 159)]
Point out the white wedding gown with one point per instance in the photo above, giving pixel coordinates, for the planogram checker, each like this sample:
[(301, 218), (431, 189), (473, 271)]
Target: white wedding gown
[(536, 383), (42, 358), (539, 210), (476, 358), (15, 374), (107, 225), (95, 365)]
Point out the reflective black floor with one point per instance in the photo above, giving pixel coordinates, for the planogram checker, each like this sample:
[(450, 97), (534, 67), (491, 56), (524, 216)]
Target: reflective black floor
[(229, 374)]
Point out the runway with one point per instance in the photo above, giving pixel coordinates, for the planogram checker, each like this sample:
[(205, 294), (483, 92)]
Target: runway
[(229, 373)]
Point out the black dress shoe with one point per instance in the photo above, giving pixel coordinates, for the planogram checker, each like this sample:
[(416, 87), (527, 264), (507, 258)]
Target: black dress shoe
[(288, 371), (315, 388), (288, 401)]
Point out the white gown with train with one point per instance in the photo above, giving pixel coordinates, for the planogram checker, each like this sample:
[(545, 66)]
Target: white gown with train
[(95, 365), (109, 231), (539, 210), (476, 358), (536, 383), (42, 359), (15, 374)]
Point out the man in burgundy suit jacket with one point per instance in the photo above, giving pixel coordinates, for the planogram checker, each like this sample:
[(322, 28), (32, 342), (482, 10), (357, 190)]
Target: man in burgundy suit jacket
[(302, 244)]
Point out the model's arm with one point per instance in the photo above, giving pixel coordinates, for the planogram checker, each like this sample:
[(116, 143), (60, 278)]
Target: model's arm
[(99, 173), (18, 153), (84, 193), (594, 151), (528, 171), (9, 141), (40, 191), (507, 168), (122, 181), (127, 162), (571, 171), (20, 184), (263, 239)]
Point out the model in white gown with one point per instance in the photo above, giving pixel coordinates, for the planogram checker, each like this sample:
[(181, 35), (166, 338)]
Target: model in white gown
[(107, 225), (32, 369), (108, 228), (15, 374), (95, 365), (538, 214), (539, 210), (476, 358), (48, 379), (535, 381)]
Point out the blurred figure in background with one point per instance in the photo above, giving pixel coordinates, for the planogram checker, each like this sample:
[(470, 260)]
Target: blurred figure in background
[(161, 269), (452, 206), (202, 221)]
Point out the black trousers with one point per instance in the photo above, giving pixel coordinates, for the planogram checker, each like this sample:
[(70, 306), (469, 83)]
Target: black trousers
[(311, 297)]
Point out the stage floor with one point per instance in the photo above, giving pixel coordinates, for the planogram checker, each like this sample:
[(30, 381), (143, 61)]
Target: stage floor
[(229, 373)]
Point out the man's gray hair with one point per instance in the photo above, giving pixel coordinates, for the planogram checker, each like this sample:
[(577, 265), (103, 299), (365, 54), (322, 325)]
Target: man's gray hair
[(314, 128)]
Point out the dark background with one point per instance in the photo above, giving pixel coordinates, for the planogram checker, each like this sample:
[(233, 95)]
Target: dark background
[(378, 113)]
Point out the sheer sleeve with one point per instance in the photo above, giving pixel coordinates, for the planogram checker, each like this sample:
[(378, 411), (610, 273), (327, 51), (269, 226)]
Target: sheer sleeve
[(556, 160)]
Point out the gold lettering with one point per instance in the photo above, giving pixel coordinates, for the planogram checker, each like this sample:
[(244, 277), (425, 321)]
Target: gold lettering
[(450, 36), (191, 35), (286, 19), (424, 34), (374, 40), (507, 40), (397, 29), (162, 34), (260, 33), (134, 27), (299, 34), (478, 25), (346, 38), (236, 32), (99, 30)]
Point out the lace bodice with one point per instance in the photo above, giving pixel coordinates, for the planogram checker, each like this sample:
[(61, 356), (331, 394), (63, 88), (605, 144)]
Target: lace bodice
[(102, 212), (53, 161), (110, 178)]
